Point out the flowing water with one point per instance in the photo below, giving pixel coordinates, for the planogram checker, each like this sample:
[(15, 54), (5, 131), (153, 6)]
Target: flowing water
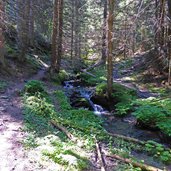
[(84, 93)]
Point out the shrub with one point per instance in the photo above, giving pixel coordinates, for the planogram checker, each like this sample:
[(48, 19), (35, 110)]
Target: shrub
[(39, 105), (165, 126), (33, 87), (63, 75), (149, 114)]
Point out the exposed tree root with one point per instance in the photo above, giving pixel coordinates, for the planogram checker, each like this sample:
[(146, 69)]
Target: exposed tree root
[(135, 164)]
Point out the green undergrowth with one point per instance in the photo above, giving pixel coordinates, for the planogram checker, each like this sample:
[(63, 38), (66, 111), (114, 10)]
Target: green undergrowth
[(82, 124), (158, 151), (79, 119), (163, 91), (49, 143), (99, 76), (60, 77), (122, 96), (155, 112)]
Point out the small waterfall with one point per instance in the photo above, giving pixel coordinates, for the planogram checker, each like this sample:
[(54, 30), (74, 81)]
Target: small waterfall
[(87, 94)]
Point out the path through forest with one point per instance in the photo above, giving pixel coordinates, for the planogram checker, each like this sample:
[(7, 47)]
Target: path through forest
[(13, 156)]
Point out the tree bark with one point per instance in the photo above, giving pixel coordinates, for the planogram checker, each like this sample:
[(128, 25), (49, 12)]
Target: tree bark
[(72, 30), (136, 164), (169, 43), (104, 41), (54, 37), (31, 23), (110, 48), (60, 35), (2, 28), (22, 27)]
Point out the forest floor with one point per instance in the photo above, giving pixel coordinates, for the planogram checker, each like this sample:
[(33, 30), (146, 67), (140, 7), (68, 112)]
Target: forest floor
[(13, 155)]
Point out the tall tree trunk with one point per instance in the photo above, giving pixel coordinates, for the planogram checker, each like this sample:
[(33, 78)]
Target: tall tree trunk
[(60, 35), (76, 29), (2, 28), (72, 30), (169, 43), (110, 48), (162, 15), (156, 28), (104, 41), (22, 27), (31, 23), (54, 37)]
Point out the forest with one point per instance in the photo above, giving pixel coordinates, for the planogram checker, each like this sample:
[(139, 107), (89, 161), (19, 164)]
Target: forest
[(85, 85)]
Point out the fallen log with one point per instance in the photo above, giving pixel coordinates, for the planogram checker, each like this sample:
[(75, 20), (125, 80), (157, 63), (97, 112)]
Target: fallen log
[(95, 65), (101, 160), (134, 140), (88, 73), (135, 164), (63, 129), (130, 139)]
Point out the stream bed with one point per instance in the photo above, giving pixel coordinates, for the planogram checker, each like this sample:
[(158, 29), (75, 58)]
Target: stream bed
[(81, 97)]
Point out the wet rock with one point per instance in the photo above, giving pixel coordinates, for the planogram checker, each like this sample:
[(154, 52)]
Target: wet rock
[(80, 102)]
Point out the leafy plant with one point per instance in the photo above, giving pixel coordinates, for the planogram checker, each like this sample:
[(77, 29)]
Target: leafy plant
[(165, 126), (123, 108), (149, 114), (158, 151), (33, 87), (39, 105)]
